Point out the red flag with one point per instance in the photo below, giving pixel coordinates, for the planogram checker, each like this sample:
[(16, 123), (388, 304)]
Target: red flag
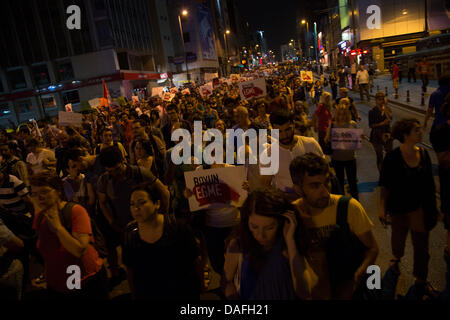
[(106, 94)]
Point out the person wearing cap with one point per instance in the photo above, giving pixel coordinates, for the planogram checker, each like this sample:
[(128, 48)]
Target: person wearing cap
[(380, 118)]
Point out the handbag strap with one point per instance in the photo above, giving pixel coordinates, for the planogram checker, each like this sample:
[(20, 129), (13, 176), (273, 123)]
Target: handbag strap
[(342, 212)]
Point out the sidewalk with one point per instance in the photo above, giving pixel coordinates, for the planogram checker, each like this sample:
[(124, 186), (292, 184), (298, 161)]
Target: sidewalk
[(381, 82)]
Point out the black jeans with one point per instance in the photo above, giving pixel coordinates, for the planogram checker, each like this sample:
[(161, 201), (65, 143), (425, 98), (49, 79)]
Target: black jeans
[(425, 82), (349, 168), (215, 243)]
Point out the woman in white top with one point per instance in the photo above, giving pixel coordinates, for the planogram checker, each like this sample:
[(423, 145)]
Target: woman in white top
[(40, 159)]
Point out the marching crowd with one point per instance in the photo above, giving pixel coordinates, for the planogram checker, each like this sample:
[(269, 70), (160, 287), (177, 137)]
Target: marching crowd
[(107, 195)]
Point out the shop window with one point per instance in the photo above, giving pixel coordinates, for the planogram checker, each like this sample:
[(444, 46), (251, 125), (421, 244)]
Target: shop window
[(4, 110), (71, 97), (48, 102), (17, 79), (24, 106), (40, 74), (65, 70)]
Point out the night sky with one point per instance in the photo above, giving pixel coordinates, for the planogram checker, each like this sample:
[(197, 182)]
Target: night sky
[(276, 17)]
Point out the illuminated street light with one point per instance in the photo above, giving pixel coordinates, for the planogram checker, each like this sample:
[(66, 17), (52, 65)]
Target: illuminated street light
[(228, 32), (184, 13), (303, 21)]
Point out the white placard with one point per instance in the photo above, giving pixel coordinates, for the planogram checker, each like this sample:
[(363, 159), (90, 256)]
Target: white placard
[(135, 99), (253, 89), (174, 90), (235, 77), (70, 118), (346, 139), (216, 188), (95, 102), (68, 107), (157, 92), (206, 90)]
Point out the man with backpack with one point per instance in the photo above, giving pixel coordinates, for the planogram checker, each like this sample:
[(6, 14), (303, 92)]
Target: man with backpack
[(334, 231)]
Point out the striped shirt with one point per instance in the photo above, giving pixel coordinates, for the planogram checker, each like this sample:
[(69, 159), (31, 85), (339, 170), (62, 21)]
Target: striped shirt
[(12, 192)]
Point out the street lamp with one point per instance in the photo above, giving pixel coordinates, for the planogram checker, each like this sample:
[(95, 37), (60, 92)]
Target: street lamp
[(227, 32), (304, 21), (184, 13)]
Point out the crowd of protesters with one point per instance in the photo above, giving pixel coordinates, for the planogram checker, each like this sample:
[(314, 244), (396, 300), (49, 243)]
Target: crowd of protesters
[(106, 195)]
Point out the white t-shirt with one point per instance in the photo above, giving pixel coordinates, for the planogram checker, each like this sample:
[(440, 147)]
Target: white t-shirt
[(282, 180), (36, 161), (363, 77)]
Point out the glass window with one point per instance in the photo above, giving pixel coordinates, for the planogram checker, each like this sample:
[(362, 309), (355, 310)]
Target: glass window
[(104, 33), (17, 79), (24, 106), (40, 74), (71, 97), (48, 102), (4, 110), (65, 70)]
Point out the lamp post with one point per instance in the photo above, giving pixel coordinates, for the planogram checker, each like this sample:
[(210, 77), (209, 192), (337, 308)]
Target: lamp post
[(184, 13), (226, 47), (307, 37)]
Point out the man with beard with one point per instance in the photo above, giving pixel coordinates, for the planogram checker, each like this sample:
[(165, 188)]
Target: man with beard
[(317, 212), (291, 146)]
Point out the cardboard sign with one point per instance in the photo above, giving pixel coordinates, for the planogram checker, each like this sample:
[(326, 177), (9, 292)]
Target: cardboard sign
[(186, 91), (235, 77), (206, 90), (94, 102), (135, 99), (346, 139), (70, 118), (68, 107), (157, 92), (168, 97), (216, 188), (307, 76), (174, 90), (253, 89)]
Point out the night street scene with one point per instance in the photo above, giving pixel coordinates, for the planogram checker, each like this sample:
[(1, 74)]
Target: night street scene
[(230, 152)]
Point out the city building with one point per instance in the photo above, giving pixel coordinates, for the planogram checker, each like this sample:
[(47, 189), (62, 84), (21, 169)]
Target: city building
[(44, 65)]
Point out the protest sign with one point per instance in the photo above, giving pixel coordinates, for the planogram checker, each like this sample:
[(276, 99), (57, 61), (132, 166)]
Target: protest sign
[(135, 99), (70, 118), (216, 188), (94, 103), (168, 97), (253, 89), (68, 107), (157, 92), (346, 139), (307, 76), (235, 77), (186, 91), (206, 90), (174, 90)]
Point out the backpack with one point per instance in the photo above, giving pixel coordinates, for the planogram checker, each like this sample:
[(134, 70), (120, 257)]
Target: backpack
[(66, 220), (345, 252)]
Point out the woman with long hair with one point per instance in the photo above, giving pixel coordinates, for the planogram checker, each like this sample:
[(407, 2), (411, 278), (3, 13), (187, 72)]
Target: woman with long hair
[(344, 161), (262, 261)]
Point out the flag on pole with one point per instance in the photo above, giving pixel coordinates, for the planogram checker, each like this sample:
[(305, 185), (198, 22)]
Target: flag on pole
[(106, 95)]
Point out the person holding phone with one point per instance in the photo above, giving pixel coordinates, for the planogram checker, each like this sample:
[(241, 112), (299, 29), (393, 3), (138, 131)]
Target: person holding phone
[(262, 261)]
